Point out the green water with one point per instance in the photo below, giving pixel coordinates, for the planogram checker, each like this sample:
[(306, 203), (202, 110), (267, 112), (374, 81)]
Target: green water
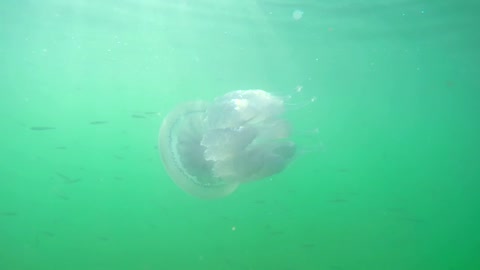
[(388, 172)]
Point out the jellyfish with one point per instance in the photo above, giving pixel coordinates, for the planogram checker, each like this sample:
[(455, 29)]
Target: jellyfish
[(210, 148)]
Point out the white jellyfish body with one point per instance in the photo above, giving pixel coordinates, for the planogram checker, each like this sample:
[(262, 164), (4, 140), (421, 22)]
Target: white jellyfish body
[(209, 149)]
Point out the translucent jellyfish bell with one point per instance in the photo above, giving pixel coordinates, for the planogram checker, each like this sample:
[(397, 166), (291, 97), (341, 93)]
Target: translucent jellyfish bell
[(209, 149)]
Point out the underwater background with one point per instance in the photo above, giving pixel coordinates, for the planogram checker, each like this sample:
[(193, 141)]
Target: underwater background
[(387, 123)]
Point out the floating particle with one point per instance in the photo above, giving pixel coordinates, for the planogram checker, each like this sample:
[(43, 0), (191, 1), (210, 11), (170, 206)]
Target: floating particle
[(297, 14)]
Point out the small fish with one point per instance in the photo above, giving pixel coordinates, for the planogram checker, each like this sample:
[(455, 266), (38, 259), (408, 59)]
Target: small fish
[(396, 209), (259, 201), (8, 214), (47, 233), (98, 122), (103, 238), (412, 219), (41, 128), (61, 147), (68, 179), (337, 200), (62, 196), (137, 116)]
